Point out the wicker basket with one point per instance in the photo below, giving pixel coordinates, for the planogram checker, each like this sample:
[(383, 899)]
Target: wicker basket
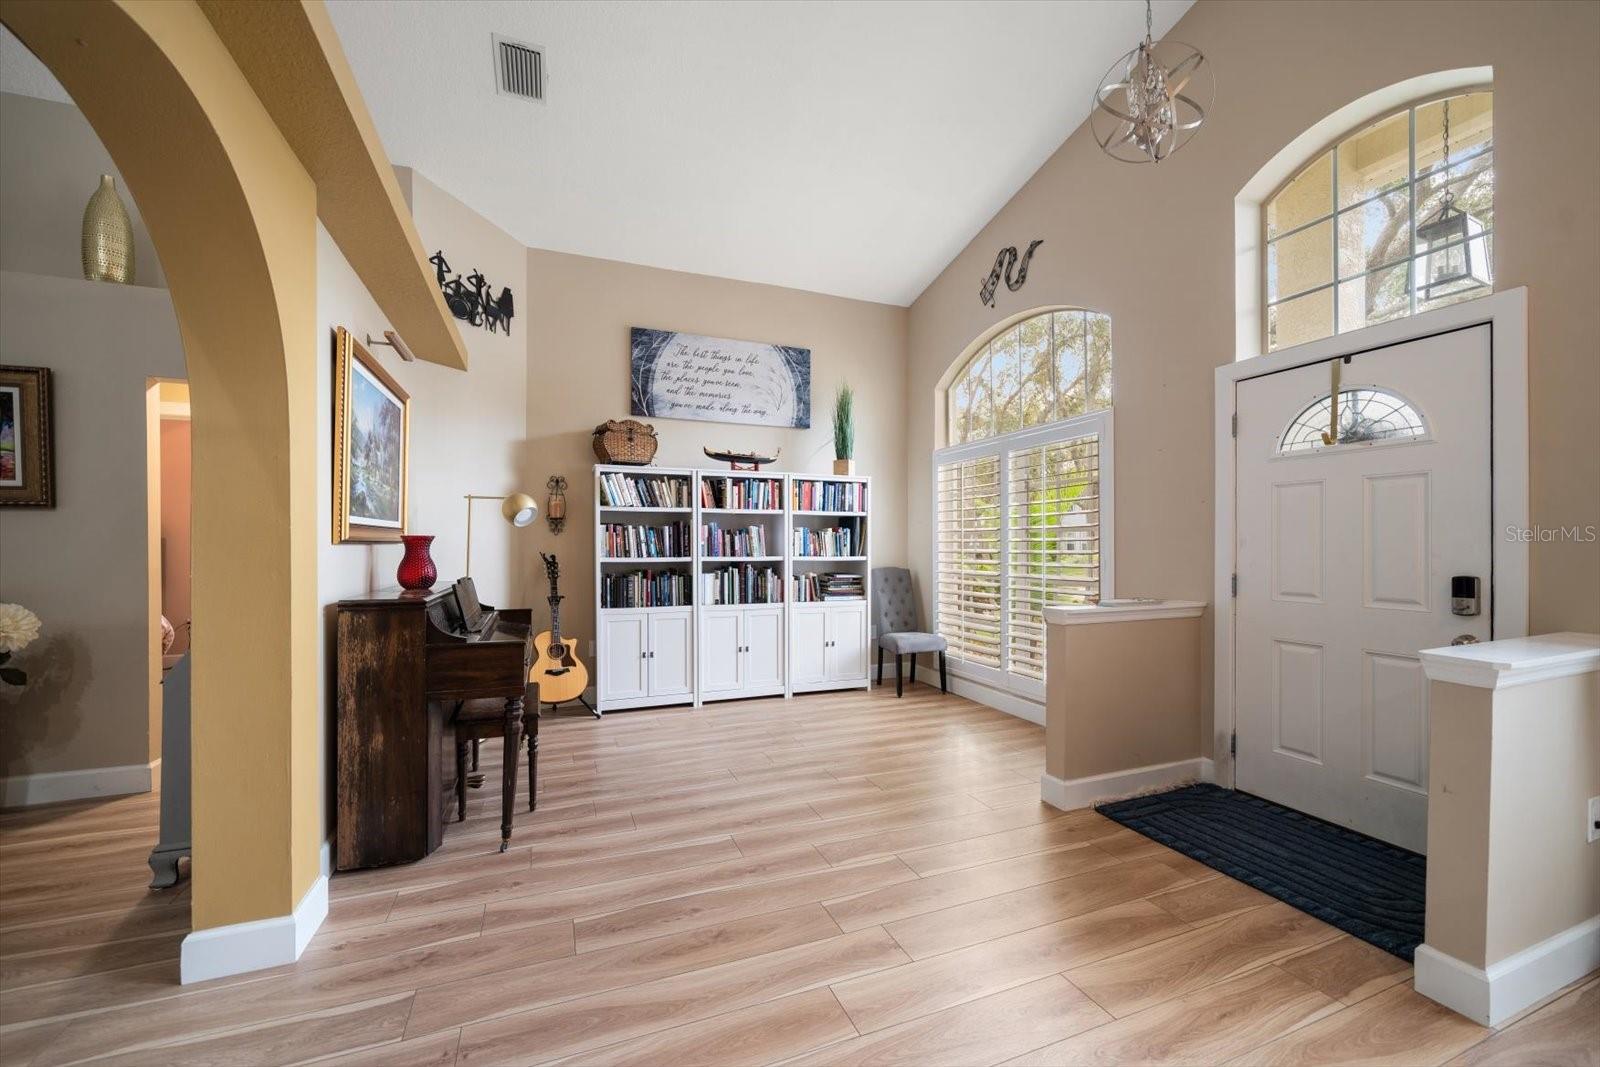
[(625, 441)]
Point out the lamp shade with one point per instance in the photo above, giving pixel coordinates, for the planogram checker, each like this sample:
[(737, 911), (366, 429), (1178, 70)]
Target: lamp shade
[(519, 509)]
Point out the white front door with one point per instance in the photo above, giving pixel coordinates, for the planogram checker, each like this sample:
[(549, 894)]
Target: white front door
[(1345, 556)]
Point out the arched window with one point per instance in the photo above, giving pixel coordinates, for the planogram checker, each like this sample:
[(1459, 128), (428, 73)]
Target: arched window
[(1023, 493), (1365, 415), (1050, 367), (1380, 225)]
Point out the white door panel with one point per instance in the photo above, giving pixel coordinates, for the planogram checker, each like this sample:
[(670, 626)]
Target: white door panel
[(1344, 559), (671, 653), (847, 648), (808, 646), (763, 640), (721, 661), (623, 650)]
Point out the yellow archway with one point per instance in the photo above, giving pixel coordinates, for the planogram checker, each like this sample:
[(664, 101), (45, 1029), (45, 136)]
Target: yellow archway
[(232, 213)]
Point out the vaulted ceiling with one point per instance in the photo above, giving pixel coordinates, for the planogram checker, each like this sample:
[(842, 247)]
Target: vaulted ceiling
[(851, 148), (845, 148)]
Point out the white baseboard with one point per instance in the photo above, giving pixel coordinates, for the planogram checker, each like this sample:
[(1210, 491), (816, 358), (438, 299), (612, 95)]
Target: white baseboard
[(1494, 994), (1082, 792), (253, 946), (52, 787), (998, 699)]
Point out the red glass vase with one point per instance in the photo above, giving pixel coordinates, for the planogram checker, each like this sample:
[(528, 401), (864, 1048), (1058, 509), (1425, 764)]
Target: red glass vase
[(416, 566)]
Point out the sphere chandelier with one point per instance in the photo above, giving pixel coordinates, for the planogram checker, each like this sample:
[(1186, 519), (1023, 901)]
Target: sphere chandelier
[(1152, 100)]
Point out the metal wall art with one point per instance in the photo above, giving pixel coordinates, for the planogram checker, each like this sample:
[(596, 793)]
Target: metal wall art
[(473, 301), (1004, 264)]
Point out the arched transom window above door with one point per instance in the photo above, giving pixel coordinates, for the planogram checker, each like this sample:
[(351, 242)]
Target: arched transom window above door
[(1394, 219), (1046, 368)]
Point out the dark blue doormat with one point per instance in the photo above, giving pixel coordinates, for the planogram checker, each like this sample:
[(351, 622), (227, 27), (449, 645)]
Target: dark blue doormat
[(1365, 887)]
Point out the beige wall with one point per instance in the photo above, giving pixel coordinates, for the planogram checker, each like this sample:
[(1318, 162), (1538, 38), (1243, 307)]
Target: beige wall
[(466, 427), (81, 566), (1154, 245), (1121, 695), (50, 163), (1511, 771), (174, 561), (579, 313)]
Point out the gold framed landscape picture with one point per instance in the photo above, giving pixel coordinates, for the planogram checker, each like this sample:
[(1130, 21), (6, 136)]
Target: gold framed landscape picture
[(27, 459), (371, 446)]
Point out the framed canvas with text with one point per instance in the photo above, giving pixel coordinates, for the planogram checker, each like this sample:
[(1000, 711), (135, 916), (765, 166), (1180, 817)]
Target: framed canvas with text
[(371, 446), (27, 458), (715, 379)]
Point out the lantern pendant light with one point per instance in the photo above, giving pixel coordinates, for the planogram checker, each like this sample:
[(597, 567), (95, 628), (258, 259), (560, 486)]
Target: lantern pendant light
[(1455, 255), (1152, 100)]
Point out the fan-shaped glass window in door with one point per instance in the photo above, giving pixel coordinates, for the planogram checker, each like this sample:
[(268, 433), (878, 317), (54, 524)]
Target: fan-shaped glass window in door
[(1364, 415)]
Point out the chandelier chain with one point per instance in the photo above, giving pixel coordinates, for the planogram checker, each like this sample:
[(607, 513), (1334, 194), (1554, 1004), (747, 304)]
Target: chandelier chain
[(1149, 32)]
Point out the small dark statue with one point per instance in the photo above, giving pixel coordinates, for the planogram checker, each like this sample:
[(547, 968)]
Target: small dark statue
[(1004, 264), (472, 301)]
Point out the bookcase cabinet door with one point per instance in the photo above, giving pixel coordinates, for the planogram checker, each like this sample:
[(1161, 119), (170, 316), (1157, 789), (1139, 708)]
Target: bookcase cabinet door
[(721, 662), (808, 646), (624, 642), (847, 648), (763, 641), (671, 658)]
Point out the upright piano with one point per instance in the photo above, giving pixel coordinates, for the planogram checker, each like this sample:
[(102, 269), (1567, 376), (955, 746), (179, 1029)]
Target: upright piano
[(406, 660)]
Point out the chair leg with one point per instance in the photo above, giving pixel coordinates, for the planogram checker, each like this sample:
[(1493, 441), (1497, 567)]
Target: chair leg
[(475, 743), (880, 664), (461, 781), (508, 769), (899, 682), (944, 685), (911, 668)]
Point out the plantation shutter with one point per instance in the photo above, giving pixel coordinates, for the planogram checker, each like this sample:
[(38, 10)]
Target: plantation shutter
[(968, 539), (1053, 541)]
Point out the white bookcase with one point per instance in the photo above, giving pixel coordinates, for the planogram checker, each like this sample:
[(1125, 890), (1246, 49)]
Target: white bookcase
[(742, 631)]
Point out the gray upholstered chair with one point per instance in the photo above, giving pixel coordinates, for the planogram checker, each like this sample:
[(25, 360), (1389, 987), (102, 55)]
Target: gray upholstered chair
[(894, 616)]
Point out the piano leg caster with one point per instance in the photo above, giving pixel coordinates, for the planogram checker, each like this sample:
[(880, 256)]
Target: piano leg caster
[(504, 845)]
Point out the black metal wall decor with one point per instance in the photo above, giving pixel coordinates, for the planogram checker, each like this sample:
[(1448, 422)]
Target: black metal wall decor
[(1004, 264), (473, 301)]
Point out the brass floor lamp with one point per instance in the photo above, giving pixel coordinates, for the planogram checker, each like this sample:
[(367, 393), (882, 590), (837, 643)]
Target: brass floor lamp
[(519, 509)]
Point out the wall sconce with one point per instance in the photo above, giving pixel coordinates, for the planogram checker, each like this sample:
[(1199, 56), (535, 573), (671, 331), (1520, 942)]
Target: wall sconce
[(519, 509), (555, 506)]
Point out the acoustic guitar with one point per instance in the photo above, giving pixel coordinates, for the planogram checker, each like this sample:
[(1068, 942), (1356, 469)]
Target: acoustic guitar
[(556, 668)]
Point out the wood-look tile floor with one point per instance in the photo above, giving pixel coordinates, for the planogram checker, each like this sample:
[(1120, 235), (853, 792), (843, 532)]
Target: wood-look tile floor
[(837, 879)]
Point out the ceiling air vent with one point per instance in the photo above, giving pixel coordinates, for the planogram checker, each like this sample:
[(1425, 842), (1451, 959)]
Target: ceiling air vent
[(519, 68)]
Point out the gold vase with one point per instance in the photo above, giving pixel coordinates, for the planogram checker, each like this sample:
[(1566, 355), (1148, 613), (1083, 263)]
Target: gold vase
[(107, 236)]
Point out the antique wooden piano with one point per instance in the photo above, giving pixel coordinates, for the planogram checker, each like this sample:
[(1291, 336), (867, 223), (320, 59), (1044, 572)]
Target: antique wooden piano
[(408, 665)]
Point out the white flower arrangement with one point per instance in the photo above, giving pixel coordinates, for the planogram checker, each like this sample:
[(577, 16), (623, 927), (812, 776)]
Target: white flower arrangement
[(19, 627)]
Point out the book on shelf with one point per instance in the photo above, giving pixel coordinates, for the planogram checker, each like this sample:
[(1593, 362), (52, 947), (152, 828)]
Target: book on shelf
[(744, 583), (642, 542), (831, 541), (817, 586), (830, 496), (645, 589), (619, 490), (744, 541), (757, 493)]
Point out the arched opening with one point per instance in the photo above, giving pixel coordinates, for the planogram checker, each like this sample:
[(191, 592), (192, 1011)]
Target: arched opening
[(232, 214)]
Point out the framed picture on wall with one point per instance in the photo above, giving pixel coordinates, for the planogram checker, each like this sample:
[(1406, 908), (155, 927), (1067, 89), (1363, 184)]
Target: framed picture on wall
[(371, 446), (716, 379), (27, 460)]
